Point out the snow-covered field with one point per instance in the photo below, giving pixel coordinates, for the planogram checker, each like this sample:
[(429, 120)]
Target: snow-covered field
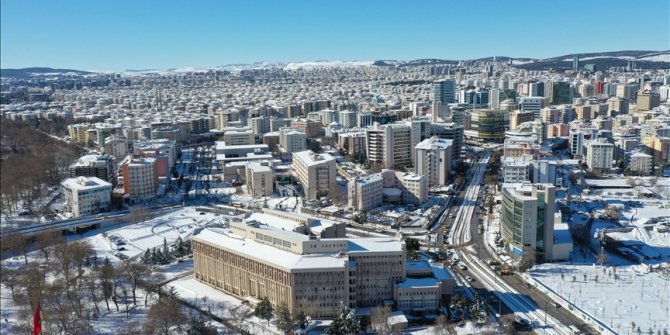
[(617, 296)]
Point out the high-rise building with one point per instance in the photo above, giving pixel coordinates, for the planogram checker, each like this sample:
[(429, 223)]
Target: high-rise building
[(140, 179), (648, 100), (389, 145), (434, 160), (311, 128), (315, 172), (444, 92), (575, 63), (618, 104), (117, 147), (487, 125), (531, 104), (450, 131), (527, 218), (238, 136), (561, 93), (259, 179)]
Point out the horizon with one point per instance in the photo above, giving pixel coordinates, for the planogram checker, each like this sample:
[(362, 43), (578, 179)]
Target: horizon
[(124, 35), (213, 67)]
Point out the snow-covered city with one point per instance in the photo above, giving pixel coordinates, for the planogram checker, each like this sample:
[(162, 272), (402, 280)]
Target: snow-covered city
[(331, 189)]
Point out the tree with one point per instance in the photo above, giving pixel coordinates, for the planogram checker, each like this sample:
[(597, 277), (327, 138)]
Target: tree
[(602, 257), (131, 328), (135, 273), (163, 315), (197, 326), (412, 244), (45, 240), (380, 320), (527, 260), (441, 326), (344, 322), (283, 320), (138, 214), (239, 317), (263, 310), (9, 278)]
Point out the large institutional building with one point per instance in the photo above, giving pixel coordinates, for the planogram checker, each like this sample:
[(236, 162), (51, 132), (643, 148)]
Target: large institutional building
[(308, 264), (86, 195)]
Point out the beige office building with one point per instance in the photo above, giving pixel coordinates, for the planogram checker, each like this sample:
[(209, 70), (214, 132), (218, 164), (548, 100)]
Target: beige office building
[(259, 178), (315, 172)]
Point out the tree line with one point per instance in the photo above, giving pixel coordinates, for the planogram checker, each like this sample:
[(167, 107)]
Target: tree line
[(30, 162)]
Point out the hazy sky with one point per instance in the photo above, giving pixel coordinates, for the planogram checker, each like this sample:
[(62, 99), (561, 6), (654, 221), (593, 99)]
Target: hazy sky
[(119, 34)]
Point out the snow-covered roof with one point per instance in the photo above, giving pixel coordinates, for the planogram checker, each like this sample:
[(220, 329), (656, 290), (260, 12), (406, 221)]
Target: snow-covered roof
[(267, 254), (419, 282), (85, 183)]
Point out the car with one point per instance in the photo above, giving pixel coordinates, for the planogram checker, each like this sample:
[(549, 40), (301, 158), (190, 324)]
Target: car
[(556, 305), (462, 266), (470, 279), (522, 323)]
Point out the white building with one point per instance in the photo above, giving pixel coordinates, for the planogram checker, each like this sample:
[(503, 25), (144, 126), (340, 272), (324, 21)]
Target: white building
[(291, 140), (405, 187), (366, 193), (315, 172), (599, 154), (640, 163), (516, 170), (86, 195), (433, 160)]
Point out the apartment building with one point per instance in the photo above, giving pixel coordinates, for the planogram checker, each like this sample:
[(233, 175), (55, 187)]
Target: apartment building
[(389, 146), (259, 179), (599, 154), (434, 160), (140, 179), (101, 166), (311, 128), (291, 140)]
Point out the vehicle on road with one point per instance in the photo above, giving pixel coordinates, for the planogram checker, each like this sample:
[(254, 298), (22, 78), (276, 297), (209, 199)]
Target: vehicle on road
[(505, 271), (522, 323), (470, 279), (462, 266)]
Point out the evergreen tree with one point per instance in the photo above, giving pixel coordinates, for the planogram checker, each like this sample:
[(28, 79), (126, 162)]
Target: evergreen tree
[(146, 258), (264, 310), (284, 321), (344, 322), (197, 326)]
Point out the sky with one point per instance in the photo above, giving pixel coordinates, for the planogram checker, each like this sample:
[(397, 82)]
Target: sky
[(117, 35)]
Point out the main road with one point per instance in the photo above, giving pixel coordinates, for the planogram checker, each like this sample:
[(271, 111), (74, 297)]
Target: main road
[(460, 238)]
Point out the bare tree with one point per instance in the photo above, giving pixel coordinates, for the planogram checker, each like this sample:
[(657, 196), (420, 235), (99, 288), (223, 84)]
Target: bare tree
[(527, 260), (131, 328), (163, 315), (135, 272), (441, 326), (152, 285), (46, 240), (239, 316), (379, 320), (602, 257), (138, 214), (9, 278)]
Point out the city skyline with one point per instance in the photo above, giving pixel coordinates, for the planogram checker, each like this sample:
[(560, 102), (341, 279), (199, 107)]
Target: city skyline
[(150, 35)]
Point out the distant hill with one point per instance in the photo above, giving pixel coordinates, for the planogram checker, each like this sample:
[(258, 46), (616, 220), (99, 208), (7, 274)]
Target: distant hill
[(644, 59), (30, 72)]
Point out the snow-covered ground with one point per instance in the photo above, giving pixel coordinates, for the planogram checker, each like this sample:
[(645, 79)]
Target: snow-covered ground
[(617, 296)]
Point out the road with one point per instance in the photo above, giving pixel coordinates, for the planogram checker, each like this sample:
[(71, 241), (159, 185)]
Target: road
[(461, 238), (113, 218)]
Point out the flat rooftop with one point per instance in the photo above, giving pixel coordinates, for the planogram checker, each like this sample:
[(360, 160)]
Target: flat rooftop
[(419, 283), (85, 183), (267, 254)]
